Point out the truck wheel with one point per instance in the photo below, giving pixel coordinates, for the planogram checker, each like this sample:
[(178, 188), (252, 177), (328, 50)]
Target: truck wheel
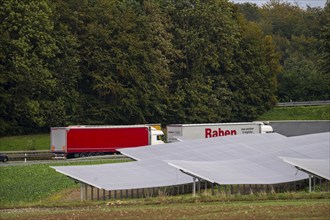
[(5, 159), (83, 155)]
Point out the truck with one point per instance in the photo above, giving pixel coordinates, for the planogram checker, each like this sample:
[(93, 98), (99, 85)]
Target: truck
[(86, 140), (180, 132)]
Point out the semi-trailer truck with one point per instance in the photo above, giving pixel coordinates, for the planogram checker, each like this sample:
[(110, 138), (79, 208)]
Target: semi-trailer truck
[(82, 141), (180, 132)]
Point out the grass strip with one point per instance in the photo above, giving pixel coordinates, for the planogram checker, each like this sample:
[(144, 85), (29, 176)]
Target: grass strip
[(26, 184)]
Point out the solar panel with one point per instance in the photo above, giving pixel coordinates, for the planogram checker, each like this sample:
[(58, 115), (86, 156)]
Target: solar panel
[(230, 147), (232, 159), (240, 171), (130, 175), (319, 167)]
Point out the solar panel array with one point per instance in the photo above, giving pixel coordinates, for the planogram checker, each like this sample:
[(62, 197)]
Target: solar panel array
[(242, 159)]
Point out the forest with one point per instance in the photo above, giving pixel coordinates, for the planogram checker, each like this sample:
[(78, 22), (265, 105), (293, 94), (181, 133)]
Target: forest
[(66, 62)]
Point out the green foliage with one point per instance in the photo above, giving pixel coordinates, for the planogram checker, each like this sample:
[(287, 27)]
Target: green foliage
[(129, 62), (255, 84), (125, 50), (250, 11), (27, 83), (302, 80), (325, 42), (282, 18), (218, 74), (206, 33), (297, 33)]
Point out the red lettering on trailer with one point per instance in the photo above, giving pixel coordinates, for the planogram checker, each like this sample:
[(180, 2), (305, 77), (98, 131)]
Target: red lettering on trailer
[(209, 133)]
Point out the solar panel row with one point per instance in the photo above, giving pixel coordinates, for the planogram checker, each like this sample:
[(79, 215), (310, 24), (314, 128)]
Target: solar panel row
[(244, 159)]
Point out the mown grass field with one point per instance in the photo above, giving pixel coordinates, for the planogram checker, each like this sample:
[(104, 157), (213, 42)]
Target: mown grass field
[(298, 113), (26, 184), (25, 142)]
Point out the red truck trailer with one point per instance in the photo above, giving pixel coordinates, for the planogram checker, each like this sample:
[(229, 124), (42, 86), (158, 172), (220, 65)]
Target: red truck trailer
[(81, 141)]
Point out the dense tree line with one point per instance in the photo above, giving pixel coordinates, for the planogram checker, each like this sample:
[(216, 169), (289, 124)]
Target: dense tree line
[(68, 62), (302, 39)]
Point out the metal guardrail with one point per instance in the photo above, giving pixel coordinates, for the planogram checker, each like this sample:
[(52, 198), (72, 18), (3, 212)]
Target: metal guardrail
[(47, 155), (306, 103), (28, 155), (26, 151)]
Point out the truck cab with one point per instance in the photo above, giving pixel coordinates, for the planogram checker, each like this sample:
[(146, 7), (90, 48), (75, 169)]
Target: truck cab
[(266, 129), (156, 136)]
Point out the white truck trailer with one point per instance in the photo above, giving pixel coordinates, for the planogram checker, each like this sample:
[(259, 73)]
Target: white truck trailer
[(179, 132)]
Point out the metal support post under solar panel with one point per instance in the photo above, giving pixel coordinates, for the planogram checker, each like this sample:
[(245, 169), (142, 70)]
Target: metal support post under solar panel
[(194, 186), (83, 191)]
